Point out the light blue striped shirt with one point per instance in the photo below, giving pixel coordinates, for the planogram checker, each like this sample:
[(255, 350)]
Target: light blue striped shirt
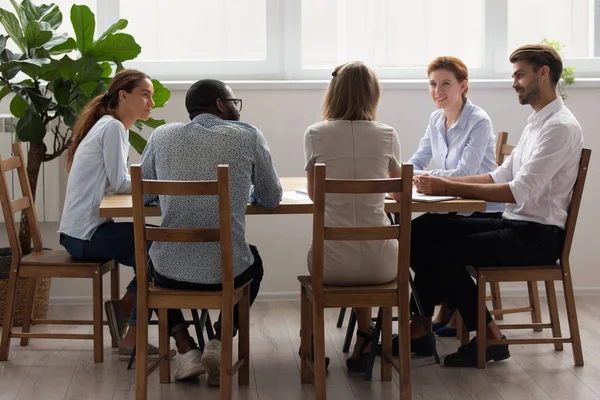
[(467, 148)]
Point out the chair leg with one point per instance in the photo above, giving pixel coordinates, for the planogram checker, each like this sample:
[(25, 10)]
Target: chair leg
[(244, 338), (141, 359), (572, 318), (305, 336), (405, 373), (226, 352), (341, 317), (374, 344), (496, 299), (349, 331), (164, 345), (481, 328), (115, 291), (8, 314), (27, 312), (98, 317), (534, 303), (319, 342), (553, 311), (386, 343)]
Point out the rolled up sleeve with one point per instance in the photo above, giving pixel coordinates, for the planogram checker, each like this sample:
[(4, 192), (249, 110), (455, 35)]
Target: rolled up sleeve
[(551, 153)]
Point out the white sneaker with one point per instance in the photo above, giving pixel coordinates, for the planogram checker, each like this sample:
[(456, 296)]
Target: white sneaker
[(212, 362), (190, 364)]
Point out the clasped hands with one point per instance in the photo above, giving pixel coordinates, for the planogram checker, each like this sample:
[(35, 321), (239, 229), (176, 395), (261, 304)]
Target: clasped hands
[(431, 185)]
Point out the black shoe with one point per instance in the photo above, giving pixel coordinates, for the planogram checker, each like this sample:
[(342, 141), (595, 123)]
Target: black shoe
[(360, 364), (422, 346), (327, 360), (466, 356)]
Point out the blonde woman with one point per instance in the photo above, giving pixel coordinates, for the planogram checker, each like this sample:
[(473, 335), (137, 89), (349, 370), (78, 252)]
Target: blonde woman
[(353, 145)]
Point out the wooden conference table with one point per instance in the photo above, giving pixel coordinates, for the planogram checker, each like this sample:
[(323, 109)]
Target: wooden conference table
[(120, 205)]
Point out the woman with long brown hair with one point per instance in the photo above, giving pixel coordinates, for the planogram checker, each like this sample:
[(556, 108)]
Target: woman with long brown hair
[(97, 163), (354, 145)]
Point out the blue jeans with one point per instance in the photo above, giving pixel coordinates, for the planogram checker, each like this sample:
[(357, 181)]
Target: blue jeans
[(112, 240)]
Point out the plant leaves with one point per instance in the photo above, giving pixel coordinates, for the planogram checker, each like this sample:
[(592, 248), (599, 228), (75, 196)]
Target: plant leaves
[(118, 63), (52, 15), (137, 141), (35, 36), (161, 94), (31, 128), (62, 91), (84, 24), (32, 61), (12, 27), (18, 107), (68, 46), (87, 70), (57, 39), (35, 100), (106, 69), (114, 28), (69, 115), (3, 40), (120, 45), (153, 123), (4, 92)]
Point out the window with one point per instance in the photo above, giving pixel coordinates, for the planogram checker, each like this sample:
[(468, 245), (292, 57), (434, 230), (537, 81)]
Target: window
[(306, 39)]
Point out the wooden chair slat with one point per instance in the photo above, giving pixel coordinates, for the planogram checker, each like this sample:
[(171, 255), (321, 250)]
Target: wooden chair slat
[(183, 234), (362, 233), (11, 163), (184, 188), (19, 204)]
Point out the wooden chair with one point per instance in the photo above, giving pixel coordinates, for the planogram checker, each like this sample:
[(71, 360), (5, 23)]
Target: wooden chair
[(315, 296), (45, 263), (150, 296), (561, 271)]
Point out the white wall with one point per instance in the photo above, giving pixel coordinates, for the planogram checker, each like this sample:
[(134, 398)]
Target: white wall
[(283, 115)]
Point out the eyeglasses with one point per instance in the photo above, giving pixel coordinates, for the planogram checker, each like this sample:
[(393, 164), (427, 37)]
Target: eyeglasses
[(236, 102)]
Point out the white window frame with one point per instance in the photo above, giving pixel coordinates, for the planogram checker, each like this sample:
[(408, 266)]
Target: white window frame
[(283, 53)]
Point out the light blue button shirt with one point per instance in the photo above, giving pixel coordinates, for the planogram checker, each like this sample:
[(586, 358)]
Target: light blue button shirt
[(467, 148)]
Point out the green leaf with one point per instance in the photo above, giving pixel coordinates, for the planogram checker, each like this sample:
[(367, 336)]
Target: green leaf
[(31, 128), (62, 91), (12, 27), (4, 92), (18, 107), (66, 68), (35, 36), (36, 101), (120, 45), (69, 115), (52, 15), (21, 13), (87, 70), (153, 123), (3, 40), (117, 26), (68, 46), (57, 39), (100, 88), (106, 69), (137, 141), (161, 94), (118, 63), (31, 61), (84, 24)]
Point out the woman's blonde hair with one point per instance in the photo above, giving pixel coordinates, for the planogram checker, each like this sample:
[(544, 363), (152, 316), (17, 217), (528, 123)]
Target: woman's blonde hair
[(352, 94)]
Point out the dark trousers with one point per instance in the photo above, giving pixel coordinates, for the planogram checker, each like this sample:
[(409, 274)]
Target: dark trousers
[(443, 245), (113, 241), (254, 272)]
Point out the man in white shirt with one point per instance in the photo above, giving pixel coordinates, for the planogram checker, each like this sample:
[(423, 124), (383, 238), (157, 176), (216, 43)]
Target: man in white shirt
[(535, 182)]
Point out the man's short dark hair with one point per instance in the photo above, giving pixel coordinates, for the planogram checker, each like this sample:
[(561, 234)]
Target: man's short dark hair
[(202, 96), (539, 55)]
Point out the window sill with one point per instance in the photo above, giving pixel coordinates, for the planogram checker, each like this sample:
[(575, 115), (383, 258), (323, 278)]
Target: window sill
[(401, 84)]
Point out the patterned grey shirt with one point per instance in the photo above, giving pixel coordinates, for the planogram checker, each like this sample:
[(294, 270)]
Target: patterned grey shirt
[(192, 151)]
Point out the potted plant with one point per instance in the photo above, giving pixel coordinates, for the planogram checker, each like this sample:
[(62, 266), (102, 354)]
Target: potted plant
[(52, 78)]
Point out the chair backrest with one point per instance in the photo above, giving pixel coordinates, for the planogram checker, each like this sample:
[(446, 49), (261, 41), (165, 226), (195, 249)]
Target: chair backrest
[(574, 206), (502, 148), (321, 233), (25, 203), (221, 234)]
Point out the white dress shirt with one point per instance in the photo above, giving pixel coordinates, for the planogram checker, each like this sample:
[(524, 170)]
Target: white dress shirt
[(100, 164), (542, 169)]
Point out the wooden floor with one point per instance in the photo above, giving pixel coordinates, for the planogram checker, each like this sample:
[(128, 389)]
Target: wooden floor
[(61, 369)]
